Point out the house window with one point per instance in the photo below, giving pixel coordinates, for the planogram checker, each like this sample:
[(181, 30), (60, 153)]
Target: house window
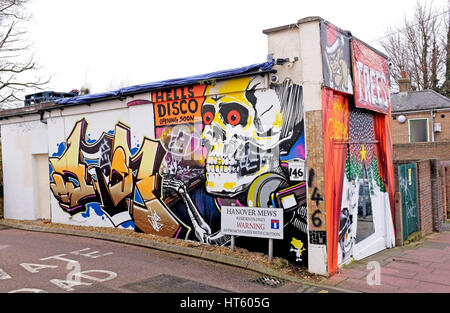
[(418, 130)]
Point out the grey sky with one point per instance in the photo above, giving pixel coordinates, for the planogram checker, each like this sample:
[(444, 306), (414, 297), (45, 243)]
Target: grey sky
[(110, 43)]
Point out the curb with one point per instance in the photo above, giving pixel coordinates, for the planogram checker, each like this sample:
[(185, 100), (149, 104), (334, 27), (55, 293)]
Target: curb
[(192, 252)]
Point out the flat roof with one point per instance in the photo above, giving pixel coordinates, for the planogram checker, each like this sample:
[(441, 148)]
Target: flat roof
[(254, 69), (123, 92)]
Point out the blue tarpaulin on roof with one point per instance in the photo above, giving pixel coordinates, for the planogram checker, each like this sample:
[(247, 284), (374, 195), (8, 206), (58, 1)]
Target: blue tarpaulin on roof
[(266, 66)]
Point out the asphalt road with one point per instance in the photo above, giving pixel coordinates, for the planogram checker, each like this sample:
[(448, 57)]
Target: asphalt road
[(55, 263)]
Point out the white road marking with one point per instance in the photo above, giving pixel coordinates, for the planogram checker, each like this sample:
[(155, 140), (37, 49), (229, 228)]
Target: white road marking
[(4, 275), (34, 268), (28, 290), (92, 255)]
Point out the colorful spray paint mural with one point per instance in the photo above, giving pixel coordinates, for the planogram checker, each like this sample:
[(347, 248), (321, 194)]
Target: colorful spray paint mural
[(359, 192), (336, 135), (371, 76), (336, 58), (231, 142), (359, 216)]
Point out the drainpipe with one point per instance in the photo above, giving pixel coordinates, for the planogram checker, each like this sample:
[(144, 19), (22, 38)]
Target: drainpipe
[(432, 125)]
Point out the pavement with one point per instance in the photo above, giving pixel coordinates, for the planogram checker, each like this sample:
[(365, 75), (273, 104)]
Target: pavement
[(420, 267)]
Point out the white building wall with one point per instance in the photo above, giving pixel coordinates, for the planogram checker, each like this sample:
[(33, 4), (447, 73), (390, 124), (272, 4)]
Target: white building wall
[(302, 40), (20, 141), (25, 138)]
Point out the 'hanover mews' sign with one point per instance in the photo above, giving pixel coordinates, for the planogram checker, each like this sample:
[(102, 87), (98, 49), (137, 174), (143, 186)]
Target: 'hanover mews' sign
[(252, 222)]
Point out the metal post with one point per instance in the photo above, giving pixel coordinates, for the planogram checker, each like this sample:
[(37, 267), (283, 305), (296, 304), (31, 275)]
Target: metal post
[(270, 245), (233, 245), (270, 250)]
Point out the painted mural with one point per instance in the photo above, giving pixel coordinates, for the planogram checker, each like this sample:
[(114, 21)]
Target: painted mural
[(359, 209), (220, 143), (371, 76), (336, 58), (335, 115), (357, 148)]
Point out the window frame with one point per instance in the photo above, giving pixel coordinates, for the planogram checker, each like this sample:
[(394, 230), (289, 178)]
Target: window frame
[(427, 131)]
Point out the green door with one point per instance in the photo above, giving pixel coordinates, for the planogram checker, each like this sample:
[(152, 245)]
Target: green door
[(408, 190)]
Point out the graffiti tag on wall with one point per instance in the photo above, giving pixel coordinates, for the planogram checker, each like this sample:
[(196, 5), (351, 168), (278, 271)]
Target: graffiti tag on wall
[(106, 172), (233, 142)]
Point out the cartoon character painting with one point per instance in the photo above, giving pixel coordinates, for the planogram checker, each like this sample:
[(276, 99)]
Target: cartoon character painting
[(336, 58)]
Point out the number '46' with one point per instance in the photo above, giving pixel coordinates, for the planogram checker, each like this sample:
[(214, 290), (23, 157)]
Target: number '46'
[(296, 172)]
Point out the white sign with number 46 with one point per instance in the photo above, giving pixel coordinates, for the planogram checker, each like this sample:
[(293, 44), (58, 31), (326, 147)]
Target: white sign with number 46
[(296, 170)]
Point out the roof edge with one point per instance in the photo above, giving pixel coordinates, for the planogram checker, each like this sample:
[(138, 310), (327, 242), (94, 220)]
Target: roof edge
[(251, 70), (293, 25)]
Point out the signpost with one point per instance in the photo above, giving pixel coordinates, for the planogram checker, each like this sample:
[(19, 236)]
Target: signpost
[(253, 222)]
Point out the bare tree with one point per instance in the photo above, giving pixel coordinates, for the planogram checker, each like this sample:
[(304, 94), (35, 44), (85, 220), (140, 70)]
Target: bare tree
[(418, 48), (446, 86), (17, 67)]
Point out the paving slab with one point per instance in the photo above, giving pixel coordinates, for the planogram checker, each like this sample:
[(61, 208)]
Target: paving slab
[(363, 286), (421, 267)]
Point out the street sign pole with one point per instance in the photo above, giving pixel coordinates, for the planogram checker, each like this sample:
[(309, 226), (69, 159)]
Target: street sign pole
[(270, 250), (270, 245), (233, 244)]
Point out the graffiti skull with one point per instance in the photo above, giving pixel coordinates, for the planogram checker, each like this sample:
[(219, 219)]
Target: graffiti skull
[(242, 126)]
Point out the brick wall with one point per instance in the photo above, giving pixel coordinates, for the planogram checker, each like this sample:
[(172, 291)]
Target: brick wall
[(445, 175), (424, 196), (443, 190), (436, 194), (314, 160), (1, 183), (446, 167), (422, 151), (447, 178), (442, 118), (400, 132)]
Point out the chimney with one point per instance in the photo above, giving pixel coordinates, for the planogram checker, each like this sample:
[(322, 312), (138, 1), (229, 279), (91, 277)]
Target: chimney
[(404, 83)]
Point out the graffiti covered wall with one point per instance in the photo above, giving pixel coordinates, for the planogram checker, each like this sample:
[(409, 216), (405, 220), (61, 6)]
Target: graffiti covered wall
[(357, 149), (168, 163)]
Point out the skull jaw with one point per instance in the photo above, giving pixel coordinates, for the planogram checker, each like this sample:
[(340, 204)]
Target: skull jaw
[(229, 185), (226, 185)]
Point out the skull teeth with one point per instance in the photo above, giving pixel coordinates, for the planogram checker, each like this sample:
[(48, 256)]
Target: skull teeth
[(213, 160), (212, 168)]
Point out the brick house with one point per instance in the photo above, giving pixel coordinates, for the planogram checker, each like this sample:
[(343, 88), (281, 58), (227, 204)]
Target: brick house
[(421, 134), (420, 117)]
